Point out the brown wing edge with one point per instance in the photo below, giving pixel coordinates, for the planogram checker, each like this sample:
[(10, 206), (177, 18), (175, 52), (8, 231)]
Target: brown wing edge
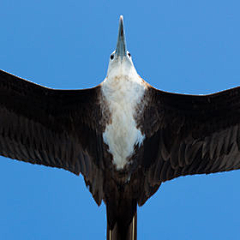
[(189, 134), (57, 128)]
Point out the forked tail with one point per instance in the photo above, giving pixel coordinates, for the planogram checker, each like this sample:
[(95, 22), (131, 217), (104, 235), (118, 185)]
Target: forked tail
[(123, 230)]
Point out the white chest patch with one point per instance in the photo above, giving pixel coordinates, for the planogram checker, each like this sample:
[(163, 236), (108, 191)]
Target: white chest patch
[(122, 96)]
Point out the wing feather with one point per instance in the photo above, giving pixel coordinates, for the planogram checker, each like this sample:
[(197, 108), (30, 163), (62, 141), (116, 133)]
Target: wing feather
[(56, 128), (199, 134)]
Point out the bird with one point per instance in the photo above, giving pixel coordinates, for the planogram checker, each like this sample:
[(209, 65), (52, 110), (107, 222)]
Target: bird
[(124, 136)]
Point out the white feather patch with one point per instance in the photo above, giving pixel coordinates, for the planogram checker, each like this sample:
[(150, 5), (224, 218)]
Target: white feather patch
[(122, 95)]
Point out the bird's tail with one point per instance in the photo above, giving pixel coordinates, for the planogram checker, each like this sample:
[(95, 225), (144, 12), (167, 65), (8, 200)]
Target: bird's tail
[(123, 230)]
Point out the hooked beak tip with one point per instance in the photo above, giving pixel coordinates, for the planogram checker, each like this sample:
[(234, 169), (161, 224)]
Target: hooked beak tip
[(121, 49)]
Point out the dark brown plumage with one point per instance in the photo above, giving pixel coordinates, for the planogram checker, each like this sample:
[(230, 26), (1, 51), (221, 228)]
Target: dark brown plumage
[(51, 127), (194, 134), (184, 135)]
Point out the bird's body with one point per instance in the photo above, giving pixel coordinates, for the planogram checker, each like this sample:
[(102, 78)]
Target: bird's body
[(122, 103), (124, 136)]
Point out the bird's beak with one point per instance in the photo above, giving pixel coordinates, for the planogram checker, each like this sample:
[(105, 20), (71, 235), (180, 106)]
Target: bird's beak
[(121, 49)]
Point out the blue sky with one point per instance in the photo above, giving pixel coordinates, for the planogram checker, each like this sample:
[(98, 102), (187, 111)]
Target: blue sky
[(179, 46)]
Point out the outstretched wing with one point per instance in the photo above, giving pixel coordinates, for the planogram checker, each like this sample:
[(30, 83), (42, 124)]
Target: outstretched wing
[(187, 134), (57, 128)]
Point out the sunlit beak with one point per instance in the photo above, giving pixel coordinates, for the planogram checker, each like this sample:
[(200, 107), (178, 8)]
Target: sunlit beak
[(121, 49)]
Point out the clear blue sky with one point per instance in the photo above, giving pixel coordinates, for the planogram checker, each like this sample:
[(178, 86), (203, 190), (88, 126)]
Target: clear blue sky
[(178, 46)]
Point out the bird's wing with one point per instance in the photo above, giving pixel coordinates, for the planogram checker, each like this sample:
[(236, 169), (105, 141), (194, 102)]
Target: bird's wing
[(57, 128), (187, 134)]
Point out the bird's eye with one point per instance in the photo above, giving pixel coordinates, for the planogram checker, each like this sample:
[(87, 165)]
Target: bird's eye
[(129, 54), (112, 56)]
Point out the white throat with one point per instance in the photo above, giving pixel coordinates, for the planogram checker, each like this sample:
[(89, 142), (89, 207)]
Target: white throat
[(123, 90)]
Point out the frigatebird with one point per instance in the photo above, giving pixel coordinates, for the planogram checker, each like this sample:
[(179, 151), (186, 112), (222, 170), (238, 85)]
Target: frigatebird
[(124, 136)]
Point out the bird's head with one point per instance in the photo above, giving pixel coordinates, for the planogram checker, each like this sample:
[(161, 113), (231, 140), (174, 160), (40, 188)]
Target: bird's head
[(120, 63)]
